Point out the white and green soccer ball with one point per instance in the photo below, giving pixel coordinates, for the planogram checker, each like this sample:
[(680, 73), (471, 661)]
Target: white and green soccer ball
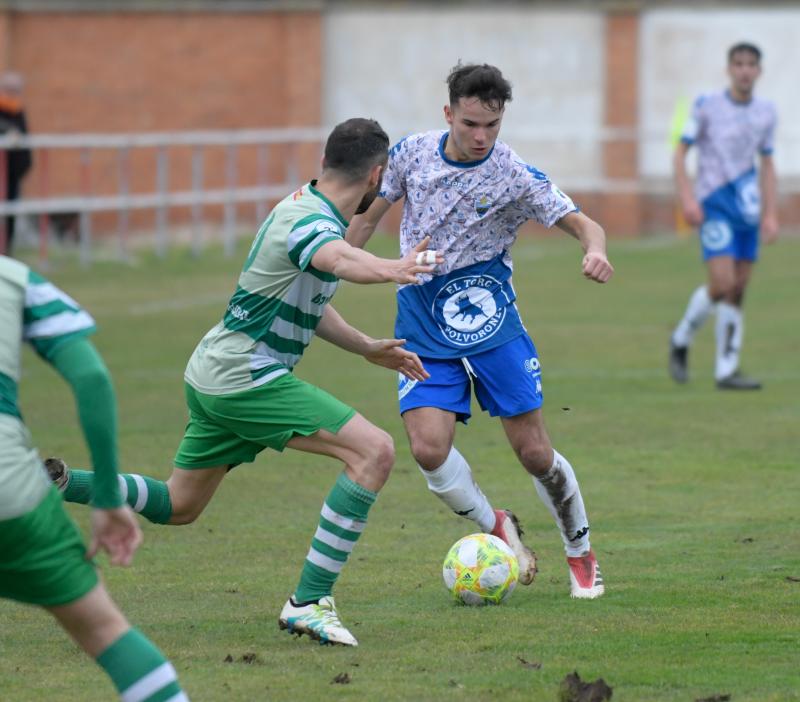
[(480, 569)]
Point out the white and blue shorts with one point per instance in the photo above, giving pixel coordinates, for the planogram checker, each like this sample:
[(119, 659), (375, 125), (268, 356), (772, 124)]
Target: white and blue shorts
[(507, 381)]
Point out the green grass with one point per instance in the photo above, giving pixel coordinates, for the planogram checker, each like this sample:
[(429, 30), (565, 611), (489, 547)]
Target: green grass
[(692, 493)]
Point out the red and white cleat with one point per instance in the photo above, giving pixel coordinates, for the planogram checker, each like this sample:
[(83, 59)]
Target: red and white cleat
[(585, 578)]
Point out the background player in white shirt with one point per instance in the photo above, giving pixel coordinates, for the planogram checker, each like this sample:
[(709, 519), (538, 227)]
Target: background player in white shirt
[(729, 129), (470, 193)]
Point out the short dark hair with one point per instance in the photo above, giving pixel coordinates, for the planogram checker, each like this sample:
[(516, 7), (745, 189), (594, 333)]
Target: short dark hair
[(355, 146), (482, 81), (744, 46)]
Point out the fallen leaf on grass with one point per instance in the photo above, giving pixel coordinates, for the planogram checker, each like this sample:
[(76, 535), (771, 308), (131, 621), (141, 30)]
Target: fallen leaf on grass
[(341, 679), (526, 664), (792, 579), (714, 698), (573, 689), (455, 683)]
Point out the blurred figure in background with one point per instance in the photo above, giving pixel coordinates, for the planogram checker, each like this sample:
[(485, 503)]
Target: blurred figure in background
[(17, 161), (729, 127)]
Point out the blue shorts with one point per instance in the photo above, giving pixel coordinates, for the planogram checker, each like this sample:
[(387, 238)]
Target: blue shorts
[(507, 382), (720, 237)]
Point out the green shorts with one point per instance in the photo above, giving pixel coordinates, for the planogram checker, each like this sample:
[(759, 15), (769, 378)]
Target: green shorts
[(232, 429), (42, 556)]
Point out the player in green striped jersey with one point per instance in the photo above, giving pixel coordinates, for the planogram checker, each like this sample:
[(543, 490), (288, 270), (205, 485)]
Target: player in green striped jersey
[(243, 396), (42, 557)]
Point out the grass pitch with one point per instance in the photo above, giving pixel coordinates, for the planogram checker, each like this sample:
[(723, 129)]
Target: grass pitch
[(692, 494)]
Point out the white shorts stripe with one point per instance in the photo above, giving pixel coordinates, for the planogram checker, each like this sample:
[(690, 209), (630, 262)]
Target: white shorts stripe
[(340, 521), (123, 487), (141, 496), (334, 541), (154, 681), (323, 561), (180, 697)]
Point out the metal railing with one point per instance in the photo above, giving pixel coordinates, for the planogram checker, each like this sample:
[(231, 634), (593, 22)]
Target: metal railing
[(84, 203)]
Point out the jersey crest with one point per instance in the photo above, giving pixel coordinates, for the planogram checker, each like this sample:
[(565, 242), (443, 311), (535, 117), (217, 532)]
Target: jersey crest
[(466, 311)]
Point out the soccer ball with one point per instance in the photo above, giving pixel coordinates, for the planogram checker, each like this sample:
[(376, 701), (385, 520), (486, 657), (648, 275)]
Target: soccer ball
[(480, 569)]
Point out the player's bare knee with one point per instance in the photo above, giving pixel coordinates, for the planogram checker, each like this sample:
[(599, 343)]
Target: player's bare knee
[(723, 289), (428, 453), (536, 458), (383, 454), (184, 513)]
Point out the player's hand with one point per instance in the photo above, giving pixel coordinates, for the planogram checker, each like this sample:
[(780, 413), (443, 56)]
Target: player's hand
[(117, 532), (596, 267), (389, 354), (692, 212), (769, 229), (419, 260)]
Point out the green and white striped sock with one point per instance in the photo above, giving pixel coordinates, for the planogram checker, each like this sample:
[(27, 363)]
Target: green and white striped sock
[(147, 496), (343, 518), (139, 670)]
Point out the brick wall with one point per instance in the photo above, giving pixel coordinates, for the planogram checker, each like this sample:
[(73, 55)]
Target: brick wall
[(174, 70), (159, 71)]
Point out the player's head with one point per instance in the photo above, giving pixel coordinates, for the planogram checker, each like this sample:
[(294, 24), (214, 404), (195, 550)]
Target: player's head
[(11, 83), (478, 95), (356, 152), (744, 67)]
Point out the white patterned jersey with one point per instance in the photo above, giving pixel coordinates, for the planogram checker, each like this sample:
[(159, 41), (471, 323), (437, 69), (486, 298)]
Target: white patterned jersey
[(728, 136), (472, 211)]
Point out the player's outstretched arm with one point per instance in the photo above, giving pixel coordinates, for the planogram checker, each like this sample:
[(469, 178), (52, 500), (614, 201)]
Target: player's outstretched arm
[(769, 195), (692, 212), (358, 266), (383, 352), (362, 226), (595, 262), (81, 366)]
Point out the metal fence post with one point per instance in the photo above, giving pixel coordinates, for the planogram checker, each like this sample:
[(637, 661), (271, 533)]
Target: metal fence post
[(123, 220), (44, 219), (162, 183), (197, 205), (85, 253), (229, 232), (262, 178)]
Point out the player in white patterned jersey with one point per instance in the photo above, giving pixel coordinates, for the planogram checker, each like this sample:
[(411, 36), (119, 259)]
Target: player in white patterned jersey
[(243, 396), (730, 129), (470, 193)]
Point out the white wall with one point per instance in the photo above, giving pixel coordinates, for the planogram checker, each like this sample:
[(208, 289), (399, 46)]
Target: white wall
[(391, 64), (684, 53)]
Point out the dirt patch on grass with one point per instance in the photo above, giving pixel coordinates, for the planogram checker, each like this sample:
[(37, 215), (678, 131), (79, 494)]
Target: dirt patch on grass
[(573, 689)]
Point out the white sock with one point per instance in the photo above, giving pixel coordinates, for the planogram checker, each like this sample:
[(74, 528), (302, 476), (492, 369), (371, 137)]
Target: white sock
[(697, 311), (452, 483), (559, 490), (730, 331)]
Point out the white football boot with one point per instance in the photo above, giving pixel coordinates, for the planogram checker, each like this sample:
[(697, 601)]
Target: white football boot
[(319, 620)]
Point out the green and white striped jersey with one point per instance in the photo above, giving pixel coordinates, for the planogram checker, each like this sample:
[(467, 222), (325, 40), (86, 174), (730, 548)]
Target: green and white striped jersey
[(34, 310), (279, 300)]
